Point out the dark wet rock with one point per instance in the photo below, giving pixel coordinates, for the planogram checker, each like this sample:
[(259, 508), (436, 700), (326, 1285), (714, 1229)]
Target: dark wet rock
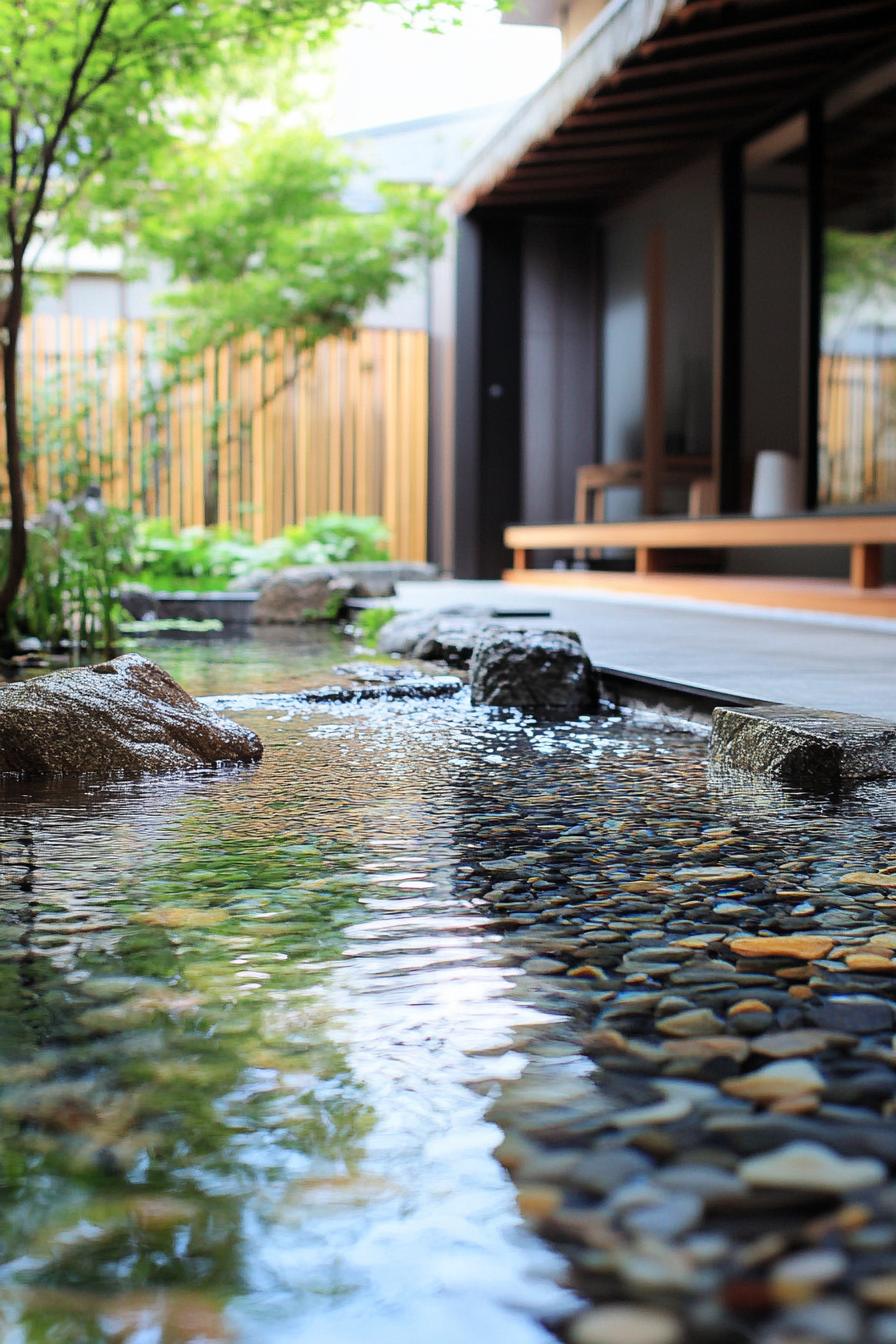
[(812, 748), (449, 639), (301, 594), (542, 671), (127, 716), (403, 687)]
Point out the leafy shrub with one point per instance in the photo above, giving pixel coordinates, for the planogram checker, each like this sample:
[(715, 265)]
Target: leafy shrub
[(211, 557), (192, 558), (77, 555), (370, 621)]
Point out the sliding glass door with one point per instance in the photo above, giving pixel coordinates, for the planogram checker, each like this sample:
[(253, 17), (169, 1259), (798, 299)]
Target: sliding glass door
[(857, 366)]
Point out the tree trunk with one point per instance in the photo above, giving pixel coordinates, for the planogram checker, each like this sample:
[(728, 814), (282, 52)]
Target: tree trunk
[(18, 537)]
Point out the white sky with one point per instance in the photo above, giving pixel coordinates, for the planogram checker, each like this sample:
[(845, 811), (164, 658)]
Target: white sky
[(383, 72)]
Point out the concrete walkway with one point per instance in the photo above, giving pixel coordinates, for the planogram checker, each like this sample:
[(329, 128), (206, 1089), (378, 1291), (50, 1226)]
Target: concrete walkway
[(823, 662)]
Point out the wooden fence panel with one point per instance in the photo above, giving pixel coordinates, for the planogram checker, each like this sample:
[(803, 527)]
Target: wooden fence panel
[(257, 435), (857, 430)]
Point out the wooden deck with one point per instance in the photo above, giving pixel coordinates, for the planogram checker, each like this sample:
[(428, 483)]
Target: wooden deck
[(661, 546), (819, 595)]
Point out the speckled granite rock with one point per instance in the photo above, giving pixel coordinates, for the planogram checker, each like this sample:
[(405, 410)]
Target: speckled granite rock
[(544, 671), (127, 716), (814, 748)]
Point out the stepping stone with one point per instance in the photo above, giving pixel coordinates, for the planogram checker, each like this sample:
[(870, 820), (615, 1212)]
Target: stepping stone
[(811, 1167), (817, 749)]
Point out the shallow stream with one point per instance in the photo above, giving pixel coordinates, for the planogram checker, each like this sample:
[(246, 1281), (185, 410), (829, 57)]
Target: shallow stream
[(262, 1030)]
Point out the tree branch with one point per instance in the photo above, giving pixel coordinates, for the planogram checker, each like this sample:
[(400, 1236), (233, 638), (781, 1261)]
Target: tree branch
[(69, 107)]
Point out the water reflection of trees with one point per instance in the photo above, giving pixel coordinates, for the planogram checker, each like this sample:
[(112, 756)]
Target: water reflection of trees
[(162, 1053)]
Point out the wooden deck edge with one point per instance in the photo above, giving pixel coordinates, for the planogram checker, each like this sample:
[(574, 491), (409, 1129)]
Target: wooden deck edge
[(809, 595)]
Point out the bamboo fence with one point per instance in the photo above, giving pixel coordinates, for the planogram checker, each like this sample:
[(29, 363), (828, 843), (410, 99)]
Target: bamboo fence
[(857, 430), (256, 434)]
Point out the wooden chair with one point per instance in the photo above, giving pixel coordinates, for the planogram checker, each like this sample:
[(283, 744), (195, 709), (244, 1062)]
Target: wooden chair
[(594, 480), (592, 483)]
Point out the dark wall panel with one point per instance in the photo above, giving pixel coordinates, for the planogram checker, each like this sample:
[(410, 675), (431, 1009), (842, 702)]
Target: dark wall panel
[(487, 483)]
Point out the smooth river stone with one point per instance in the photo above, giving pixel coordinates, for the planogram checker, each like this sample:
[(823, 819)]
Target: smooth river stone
[(693, 1022), (798, 946), (869, 879), (879, 1291), (776, 1082), (714, 875), (621, 1323), (708, 1047), (801, 1041), (800, 1277), (808, 1166)]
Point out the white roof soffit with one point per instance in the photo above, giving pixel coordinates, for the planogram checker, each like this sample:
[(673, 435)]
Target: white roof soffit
[(613, 34)]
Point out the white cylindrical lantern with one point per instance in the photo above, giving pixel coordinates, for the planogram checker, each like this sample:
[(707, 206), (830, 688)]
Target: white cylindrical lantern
[(777, 488)]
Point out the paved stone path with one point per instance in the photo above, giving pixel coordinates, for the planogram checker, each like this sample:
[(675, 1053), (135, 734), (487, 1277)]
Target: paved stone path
[(824, 662)]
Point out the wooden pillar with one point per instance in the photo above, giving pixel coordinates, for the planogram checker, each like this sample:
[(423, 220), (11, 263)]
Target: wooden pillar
[(520, 559), (865, 567), (728, 334), (655, 388)]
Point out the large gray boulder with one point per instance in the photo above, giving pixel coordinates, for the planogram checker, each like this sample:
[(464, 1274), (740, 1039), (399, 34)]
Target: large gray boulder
[(541, 671), (299, 594), (126, 717), (817, 749)]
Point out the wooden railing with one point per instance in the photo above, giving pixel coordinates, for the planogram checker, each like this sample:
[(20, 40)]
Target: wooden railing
[(255, 434)]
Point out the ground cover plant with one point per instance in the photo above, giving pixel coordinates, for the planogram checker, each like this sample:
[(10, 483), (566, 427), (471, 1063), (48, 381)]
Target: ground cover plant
[(77, 557), (205, 558)]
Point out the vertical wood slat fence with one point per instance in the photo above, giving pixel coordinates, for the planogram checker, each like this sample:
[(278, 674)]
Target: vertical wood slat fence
[(857, 430), (256, 435)]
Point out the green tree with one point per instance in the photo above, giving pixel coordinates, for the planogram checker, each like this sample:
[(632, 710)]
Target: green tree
[(90, 91), (261, 235)]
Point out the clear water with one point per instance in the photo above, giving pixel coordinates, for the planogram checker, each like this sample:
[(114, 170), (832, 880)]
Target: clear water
[(254, 1023)]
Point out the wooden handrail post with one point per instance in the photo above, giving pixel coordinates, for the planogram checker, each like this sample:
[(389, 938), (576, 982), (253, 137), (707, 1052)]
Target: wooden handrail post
[(865, 566)]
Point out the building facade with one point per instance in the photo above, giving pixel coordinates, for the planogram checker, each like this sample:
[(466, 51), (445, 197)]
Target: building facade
[(681, 252)]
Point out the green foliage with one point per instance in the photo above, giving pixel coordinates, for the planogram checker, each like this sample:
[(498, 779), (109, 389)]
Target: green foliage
[(370, 622), (205, 558), (75, 563), (88, 89), (96, 98), (260, 237), (860, 265)]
